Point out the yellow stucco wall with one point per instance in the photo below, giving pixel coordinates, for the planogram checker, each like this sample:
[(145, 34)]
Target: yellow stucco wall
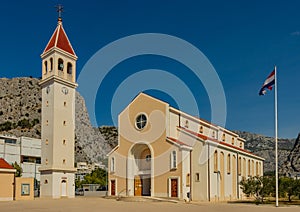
[(27, 183), (6, 186)]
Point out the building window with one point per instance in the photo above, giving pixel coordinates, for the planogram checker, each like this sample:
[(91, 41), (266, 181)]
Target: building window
[(47, 122), (47, 142), (249, 168), (216, 161), (232, 140), (64, 123), (51, 64), (186, 125), (228, 164), (252, 167), (173, 160), (188, 180), (141, 121), (46, 181), (60, 64), (46, 67), (201, 129), (46, 162), (112, 164), (214, 134), (64, 161), (65, 104), (223, 137), (240, 166), (197, 177), (256, 169), (47, 103), (69, 68), (64, 142), (241, 144), (244, 167)]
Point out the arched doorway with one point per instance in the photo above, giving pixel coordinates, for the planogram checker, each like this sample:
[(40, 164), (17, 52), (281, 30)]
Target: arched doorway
[(139, 170), (63, 188)]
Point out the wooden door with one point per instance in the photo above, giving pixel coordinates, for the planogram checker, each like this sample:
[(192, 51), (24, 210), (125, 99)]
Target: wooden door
[(174, 187), (112, 187), (138, 186)]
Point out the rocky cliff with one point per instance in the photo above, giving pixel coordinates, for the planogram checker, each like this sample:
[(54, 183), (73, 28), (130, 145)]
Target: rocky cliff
[(20, 115), (291, 165), (264, 146)]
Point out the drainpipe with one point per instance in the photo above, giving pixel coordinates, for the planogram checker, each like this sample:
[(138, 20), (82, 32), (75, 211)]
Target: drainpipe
[(237, 176), (208, 171)]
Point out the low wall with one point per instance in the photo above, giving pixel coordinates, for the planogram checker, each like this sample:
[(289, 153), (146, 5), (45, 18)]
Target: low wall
[(95, 193)]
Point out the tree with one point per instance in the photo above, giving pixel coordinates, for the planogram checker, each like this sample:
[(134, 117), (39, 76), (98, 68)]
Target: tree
[(289, 187), (97, 176), (18, 168), (258, 187)]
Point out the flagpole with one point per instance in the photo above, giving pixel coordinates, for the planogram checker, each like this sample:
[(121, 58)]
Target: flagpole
[(276, 142)]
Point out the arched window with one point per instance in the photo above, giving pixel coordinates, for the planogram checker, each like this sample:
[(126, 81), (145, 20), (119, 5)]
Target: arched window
[(201, 129), (232, 140), (249, 168), (241, 144), (186, 124), (216, 161), (112, 164), (252, 167), (228, 164), (240, 166), (244, 167), (60, 64), (223, 137), (51, 64), (256, 169), (173, 160), (46, 67), (214, 134), (69, 68)]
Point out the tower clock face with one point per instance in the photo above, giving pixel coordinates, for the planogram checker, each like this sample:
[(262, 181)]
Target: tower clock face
[(64, 90)]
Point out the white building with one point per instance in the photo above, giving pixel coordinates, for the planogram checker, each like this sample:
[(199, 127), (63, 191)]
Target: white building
[(23, 150)]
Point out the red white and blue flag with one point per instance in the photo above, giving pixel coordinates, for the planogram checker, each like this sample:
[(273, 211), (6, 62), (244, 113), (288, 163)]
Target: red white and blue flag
[(268, 84)]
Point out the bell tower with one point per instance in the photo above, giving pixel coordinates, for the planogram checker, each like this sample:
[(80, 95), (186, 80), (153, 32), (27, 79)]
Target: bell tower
[(58, 115)]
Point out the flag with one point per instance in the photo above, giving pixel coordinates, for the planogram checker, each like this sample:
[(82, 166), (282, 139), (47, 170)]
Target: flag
[(268, 84)]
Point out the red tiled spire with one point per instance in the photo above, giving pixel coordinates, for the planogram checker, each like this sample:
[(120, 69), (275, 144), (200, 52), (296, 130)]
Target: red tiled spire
[(60, 40), (5, 165)]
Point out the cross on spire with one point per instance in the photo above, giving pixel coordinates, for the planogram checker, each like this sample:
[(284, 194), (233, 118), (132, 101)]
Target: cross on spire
[(59, 9)]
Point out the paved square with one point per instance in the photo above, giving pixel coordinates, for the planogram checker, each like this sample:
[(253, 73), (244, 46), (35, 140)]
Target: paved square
[(81, 204)]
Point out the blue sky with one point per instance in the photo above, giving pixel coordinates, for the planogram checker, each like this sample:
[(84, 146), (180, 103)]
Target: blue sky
[(243, 40)]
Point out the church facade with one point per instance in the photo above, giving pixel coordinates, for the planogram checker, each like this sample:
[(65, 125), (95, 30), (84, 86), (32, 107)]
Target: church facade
[(164, 152)]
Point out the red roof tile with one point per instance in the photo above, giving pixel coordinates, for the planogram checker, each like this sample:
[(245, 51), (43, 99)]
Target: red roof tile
[(215, 140), (177, 141), (5, 165), (60, 40)]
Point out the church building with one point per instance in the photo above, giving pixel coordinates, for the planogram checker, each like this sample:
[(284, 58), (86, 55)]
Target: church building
[(58, 116), (164, 152)]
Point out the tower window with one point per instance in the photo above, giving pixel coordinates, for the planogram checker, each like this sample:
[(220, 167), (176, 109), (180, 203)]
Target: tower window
[(223, 137), (47, 142), (232, 140), (64, 161), (60, 64), (197, 177), (47, 122), (69, 68), (46, 181), (51, 64), (46, 67), (65, 104), (112, 164), (188, 180), (46, 162), (64, 142), (64, 123), (47, 103), (216, 161)]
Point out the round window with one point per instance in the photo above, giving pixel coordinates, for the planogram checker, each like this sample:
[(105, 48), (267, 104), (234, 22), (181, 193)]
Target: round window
[(141, 121)]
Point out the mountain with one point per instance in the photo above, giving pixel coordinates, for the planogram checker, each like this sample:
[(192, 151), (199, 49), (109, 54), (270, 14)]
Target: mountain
[(291, 166), (264, 146), (20, 115)]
